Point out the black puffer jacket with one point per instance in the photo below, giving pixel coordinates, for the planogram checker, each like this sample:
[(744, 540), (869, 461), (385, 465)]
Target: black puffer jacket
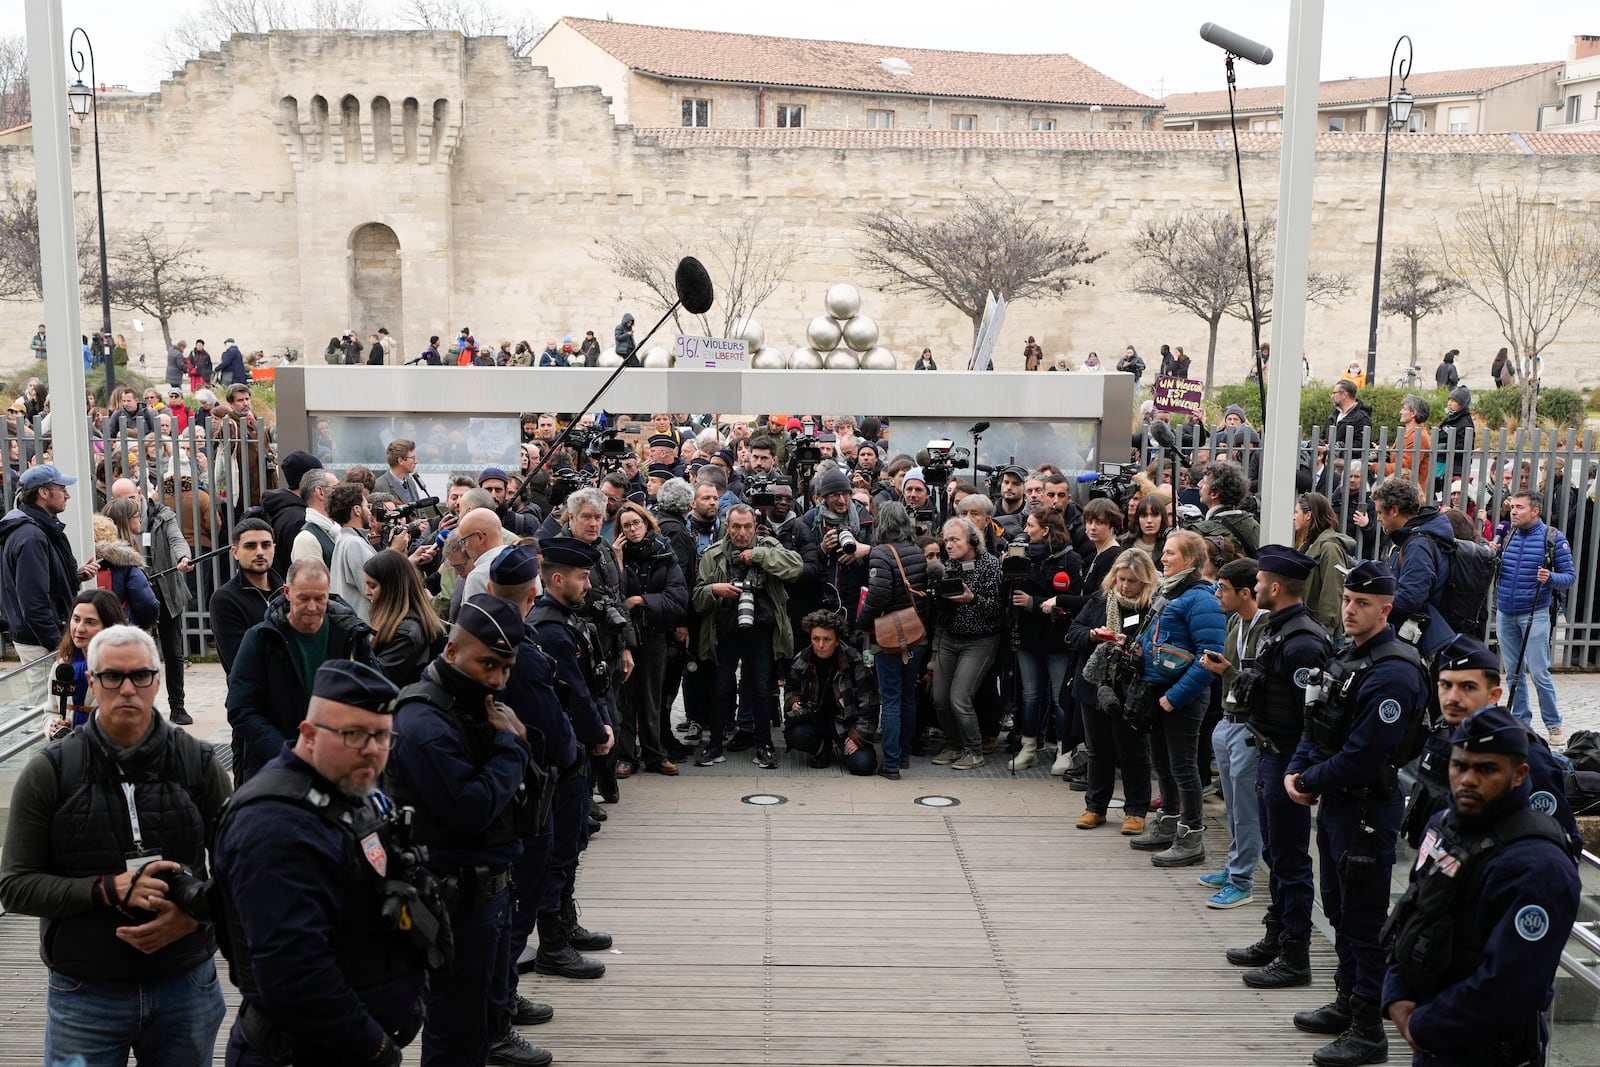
[(651, 570), (1040, 632), (886, 591)]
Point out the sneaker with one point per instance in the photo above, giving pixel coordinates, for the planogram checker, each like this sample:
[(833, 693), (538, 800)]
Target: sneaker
[(765, 758), (947, 757), (1091, 819), (741, 741), (179, 717), (1230, 896), (1215, 880), (970, 761), (1558, 736), (706, 757)]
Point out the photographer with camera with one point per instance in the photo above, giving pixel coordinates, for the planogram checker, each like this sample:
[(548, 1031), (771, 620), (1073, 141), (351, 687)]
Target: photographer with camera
[(831, 700), (843, 530), (347, 507), (741, 596), (971, 617), (130, 968), (1034, 574)]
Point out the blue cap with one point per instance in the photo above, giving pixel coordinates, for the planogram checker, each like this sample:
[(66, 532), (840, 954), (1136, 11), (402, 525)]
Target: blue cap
[(1493, 729), (569, 552), (492, 474), (345, 681), (515, 565), (1467, 653), (1285, 561), (661, 470), (44, 474), (663, 440), (494, 621), (1369, 577)]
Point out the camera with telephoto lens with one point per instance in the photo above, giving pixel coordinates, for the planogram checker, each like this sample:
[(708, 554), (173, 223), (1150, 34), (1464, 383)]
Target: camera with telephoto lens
[(847, 542), (189, 892), (944, 458), (745, 611)]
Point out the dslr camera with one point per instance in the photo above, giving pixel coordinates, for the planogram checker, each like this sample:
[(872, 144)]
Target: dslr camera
[(189, 892), (745, 610)]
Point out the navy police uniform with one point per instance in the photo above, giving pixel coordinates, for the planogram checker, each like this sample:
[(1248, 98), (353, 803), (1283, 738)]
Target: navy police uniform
[(466, 781), (1475, 941), (305, 874)]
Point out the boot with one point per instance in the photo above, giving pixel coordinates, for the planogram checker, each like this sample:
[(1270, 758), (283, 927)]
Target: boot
[(1188, 848), (1159, 831), (577, 936), (1262, 952), (1331, 1018), (1028, 756), (557, 956), (511, 1049), (1363, 1041), (1063, 759), (1291, 968)]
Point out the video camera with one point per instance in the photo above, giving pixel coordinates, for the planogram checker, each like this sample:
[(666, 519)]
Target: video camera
[(1113, 483), (955, 578), (394, 519), (758, 491), (944, 457)]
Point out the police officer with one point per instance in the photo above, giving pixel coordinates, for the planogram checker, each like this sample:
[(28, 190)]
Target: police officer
[(462, 768), (1364, 719), (581, 674), (1270, 697), (1469, 681), (1476, 939), (303, 859)]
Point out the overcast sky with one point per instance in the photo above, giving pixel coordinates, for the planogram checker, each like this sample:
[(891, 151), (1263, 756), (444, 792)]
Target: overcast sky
[(1150, 45)]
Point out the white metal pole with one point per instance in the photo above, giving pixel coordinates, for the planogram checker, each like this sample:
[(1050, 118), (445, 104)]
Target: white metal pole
[(58, 256), (1281, 449)]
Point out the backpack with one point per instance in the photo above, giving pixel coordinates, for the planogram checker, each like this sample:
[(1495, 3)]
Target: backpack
[(1221, 526), (1472, 567), (1583, 750)]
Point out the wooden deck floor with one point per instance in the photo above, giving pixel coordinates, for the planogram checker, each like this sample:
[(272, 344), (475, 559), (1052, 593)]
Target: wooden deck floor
[(850, 926)]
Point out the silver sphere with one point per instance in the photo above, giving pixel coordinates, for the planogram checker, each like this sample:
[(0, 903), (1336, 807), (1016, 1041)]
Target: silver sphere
[(609, 358), (861, 334), (768, 359), (843, 301), (842, 359), (658, 357), (805, 359), (879, 359), (749, 330), (824, 334)]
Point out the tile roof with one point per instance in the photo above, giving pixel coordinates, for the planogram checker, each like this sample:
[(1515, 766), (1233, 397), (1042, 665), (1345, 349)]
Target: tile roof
[(703, 55), (770, 139), (1358, 90)]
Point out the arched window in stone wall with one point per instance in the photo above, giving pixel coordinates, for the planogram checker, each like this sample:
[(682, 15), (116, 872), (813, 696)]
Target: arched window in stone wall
[(350, 128), (375, 282), (408, 122), (319, 126), (289, 120), (441, 114), (382, 134)]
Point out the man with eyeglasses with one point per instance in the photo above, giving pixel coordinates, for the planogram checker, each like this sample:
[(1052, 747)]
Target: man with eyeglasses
[(269, 687), (328, 978), (107, 831)]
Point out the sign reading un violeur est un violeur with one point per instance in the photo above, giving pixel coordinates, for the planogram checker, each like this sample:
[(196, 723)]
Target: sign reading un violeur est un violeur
[(712, 353), (1179, 395)]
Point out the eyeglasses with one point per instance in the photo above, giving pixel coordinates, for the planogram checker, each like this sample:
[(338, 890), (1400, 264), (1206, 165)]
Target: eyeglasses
[(143, 678), (357, 738)]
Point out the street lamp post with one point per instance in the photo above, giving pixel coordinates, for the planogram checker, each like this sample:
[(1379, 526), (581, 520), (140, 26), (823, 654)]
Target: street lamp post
[(1399, 114), (84, 99)]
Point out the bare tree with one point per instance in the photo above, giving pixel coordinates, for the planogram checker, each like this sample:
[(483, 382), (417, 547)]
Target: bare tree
[(21, 272), (747, 263), (991, 242), (205, 27), (165, 278), (16, 107), (1195, 262), (1529, 261), (473, 18), (1417, 289)]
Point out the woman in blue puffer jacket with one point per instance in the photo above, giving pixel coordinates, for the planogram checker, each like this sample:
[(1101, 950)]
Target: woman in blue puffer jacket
[(1190, 622)]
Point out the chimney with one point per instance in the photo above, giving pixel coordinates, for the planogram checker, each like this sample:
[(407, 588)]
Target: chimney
[(1583, 47)]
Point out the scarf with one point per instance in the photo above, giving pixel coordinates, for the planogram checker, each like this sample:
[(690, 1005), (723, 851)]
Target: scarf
[(1168, 589), (851, 518), (1117, 608)]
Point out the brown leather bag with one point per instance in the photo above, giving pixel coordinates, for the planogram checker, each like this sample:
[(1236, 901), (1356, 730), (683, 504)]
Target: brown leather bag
[(900, 631)]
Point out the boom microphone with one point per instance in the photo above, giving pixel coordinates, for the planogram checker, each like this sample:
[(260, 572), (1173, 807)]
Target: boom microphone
[(694, 284), (1236, 45)]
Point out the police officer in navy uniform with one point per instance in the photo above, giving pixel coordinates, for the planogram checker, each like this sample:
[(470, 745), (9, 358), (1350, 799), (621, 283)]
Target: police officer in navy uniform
[(1270, 696), (1475, 941), (304, 852), (462, 768), (581, 677), (1365, 714), (1468, 681)]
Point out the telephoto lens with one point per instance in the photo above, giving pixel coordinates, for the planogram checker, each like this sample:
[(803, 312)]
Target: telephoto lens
[(847, 542), (747, 605)]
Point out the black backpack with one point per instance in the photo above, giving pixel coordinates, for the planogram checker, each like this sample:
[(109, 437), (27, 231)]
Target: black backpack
[(1471, 570), (1583, 750)]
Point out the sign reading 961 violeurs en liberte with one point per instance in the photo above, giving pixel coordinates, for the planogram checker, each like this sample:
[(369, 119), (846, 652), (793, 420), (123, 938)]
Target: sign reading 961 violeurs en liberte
[(712, 353)]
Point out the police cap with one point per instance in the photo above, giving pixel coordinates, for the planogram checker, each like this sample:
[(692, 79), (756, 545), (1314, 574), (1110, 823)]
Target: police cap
[(1494, 729), (1285, 561), (1467, 653), (569, 552), (1369, 577), (515, 565), (344, 681), (661, 470), (495, 622), (663, 440)]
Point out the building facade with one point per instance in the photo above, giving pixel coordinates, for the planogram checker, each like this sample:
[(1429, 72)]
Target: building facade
[(1577, 105)]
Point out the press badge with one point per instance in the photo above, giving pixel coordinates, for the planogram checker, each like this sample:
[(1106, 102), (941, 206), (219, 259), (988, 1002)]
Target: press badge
[(1131, 620), (137, 860)]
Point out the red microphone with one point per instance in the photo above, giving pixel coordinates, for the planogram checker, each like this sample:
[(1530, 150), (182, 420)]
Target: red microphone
[(1062, 581)]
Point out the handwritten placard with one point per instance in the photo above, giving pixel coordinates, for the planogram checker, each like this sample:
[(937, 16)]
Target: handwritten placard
[(712, 353), (1179, 395)]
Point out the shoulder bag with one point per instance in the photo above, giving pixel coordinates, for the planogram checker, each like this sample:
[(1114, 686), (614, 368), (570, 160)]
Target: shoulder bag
[(900, 631)]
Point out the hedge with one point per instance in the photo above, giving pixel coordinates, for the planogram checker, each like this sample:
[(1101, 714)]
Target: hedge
[(1494, 407)]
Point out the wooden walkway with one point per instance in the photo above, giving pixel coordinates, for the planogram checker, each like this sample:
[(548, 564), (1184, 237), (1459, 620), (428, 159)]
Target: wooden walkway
[(851, 926)]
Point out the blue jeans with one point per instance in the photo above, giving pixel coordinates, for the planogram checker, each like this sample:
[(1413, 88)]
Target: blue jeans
[(1236, 772), (1535, 657), (897, 698), (1042, 675), (167, 1023)]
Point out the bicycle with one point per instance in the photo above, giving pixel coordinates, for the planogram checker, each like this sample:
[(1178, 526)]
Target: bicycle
[(1411, 379)]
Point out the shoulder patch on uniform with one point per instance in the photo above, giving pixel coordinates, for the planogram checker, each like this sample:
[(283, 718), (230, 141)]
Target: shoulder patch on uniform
[(1389, 711), (1302, 677), (1532, 922), (1543, 801)]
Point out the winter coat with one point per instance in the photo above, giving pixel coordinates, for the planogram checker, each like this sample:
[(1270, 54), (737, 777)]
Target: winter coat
[(1355, 424), (286, 513), (408, 651), (1325, 587), (983, 615), (778, 566), (855, 688), (1421, 570), (1414, 450), (167, 546), (1192, 621), (200, 369), (232, 368), (550, 357), (654, 574), (590, 351), (623, 334), (1459, 443), (1446, 376), (127, 582), (38, 575), (193, 511), (1519, 591), (177, 366), (1041, 633), (886, 592), (140, 421)]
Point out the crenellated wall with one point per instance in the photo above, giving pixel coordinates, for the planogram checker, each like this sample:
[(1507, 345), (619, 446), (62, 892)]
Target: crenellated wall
[(282, 157)]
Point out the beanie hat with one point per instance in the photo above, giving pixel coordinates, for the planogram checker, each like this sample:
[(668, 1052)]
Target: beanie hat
[(1462, 395), (1235, 409), (294, 467), (914, 475), (832, 480)]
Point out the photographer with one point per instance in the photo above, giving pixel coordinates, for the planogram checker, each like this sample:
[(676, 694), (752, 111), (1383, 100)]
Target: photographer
[(1033, 580), (842, 528), (970, 621), (830, 703), (776, 509), (743, 603), (657, 602)]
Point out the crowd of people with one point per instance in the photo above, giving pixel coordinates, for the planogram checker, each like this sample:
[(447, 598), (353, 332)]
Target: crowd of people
[(501, 652)]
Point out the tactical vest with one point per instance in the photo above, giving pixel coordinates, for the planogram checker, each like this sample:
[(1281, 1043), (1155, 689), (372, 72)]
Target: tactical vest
[(1276, 699), (590, 661), (1331, 703), (1433, 930), (91, 833), (373, 942)]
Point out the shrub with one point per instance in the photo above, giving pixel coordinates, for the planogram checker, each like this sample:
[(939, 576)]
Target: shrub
[(1315, 404)]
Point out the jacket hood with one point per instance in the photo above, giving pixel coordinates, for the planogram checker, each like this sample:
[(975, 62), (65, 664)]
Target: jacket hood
[(13, 519), (277, 501), (1343, 540), (1429, 520), (118, 554)]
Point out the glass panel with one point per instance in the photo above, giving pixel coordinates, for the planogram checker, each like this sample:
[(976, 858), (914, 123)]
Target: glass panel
[(1069, 443), (445, 444)]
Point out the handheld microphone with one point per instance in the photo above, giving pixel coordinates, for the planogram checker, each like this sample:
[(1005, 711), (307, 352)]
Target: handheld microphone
[(1062, 581), (1236, 45), (1087, 476), (62, 686)]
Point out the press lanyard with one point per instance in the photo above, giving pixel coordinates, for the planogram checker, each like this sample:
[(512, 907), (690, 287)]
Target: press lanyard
[(133, 818)]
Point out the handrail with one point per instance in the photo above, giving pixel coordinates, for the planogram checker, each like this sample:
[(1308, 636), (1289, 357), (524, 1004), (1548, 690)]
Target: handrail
[(1580, 970), (28, 716), (34, 663)]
